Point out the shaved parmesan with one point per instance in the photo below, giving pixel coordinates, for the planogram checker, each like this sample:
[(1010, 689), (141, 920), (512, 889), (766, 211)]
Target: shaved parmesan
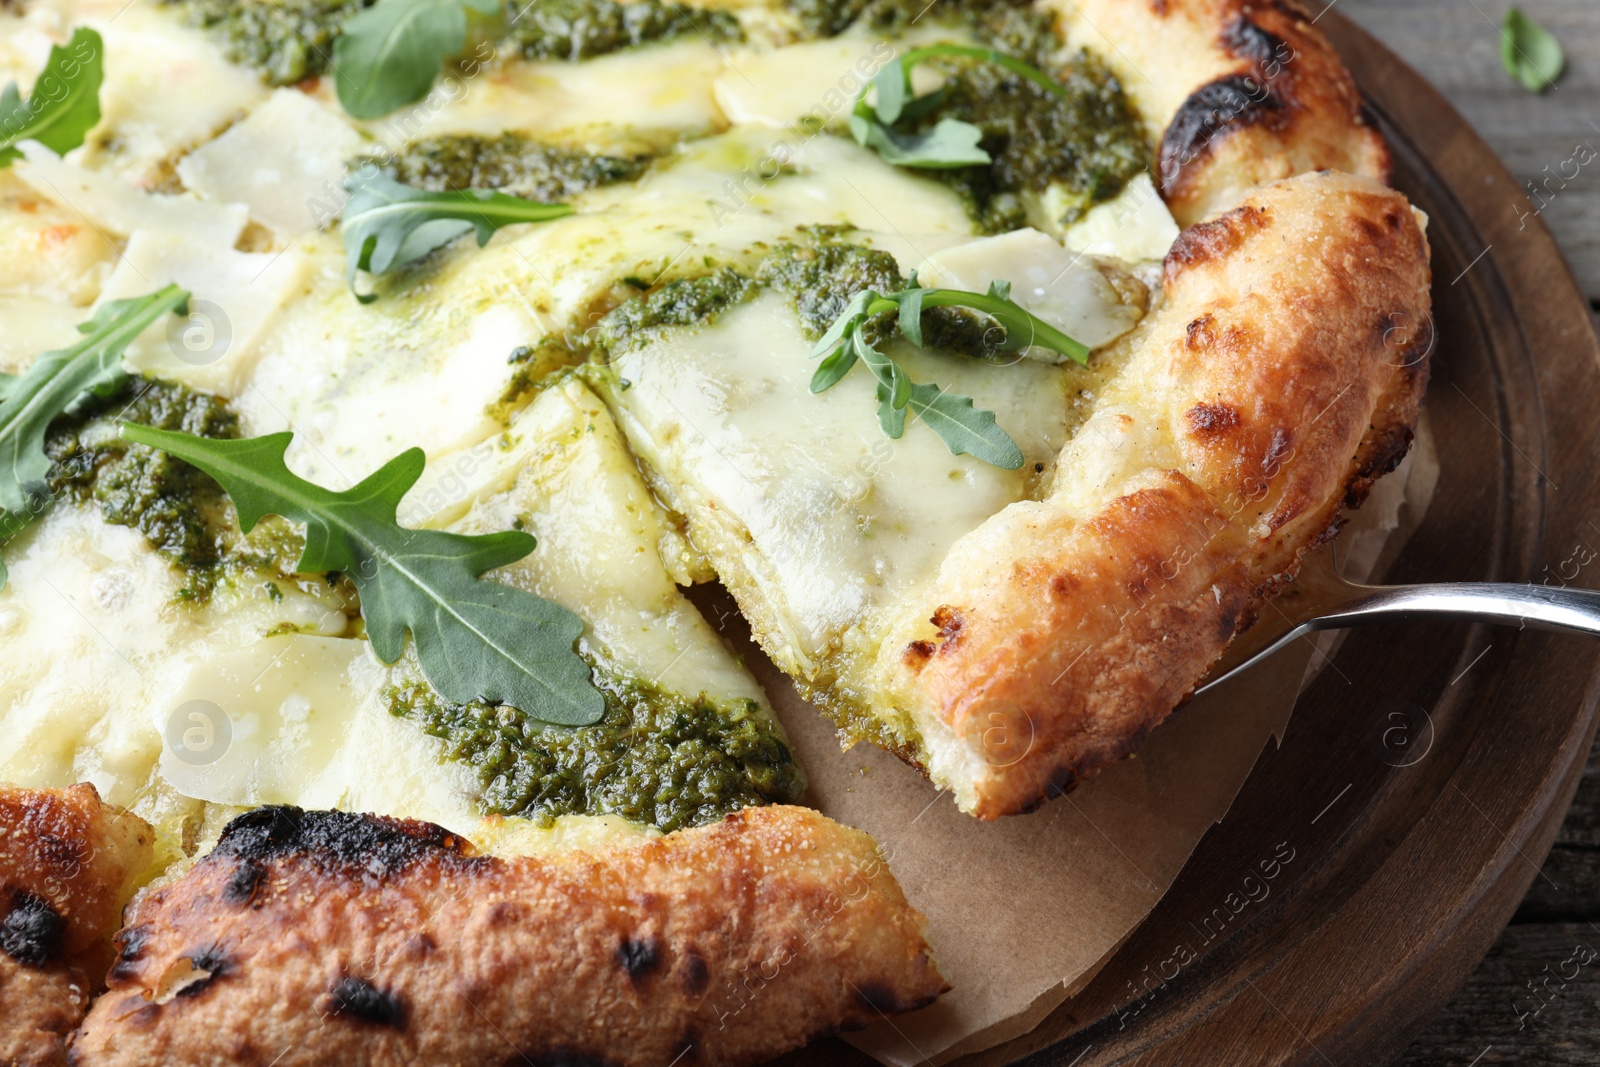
[(287, 154), (234, 296), (111, 204)]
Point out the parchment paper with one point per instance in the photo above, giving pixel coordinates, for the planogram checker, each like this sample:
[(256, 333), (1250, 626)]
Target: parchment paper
[(1023, 911)]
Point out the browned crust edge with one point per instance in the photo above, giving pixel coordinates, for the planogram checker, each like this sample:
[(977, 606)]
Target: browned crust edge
[(1293, 347), (67, 865), (1236, 94), (322, 937)]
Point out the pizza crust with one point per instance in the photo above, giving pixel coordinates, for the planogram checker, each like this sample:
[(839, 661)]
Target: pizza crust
[(68, 864), (321, 937), (1280, 375), (1234, 94)]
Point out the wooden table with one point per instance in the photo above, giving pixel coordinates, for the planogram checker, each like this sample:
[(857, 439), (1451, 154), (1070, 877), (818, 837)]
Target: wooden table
[(1536, 998)]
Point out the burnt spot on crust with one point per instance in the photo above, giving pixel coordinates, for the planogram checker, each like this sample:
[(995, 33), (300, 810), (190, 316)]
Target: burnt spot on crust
[(32, 932), (359, 1000), (243, 883), (1247, 41), (1233, 102), (1205, 242), (881, 998), (1062, 781), (694, 976), (130, 943), (950, 624), (210, 964), (368, 844), (1211, 421), (638, 956)]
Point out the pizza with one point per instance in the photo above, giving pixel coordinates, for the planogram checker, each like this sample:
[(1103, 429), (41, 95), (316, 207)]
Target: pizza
[(379, 375)]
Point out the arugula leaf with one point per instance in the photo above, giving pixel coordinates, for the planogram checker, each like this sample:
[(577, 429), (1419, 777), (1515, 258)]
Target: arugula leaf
[(951, 142), (386, 224), (389, 54), (51, 386), (963, 428), (476, 639), (1529, 52), (64, 104)]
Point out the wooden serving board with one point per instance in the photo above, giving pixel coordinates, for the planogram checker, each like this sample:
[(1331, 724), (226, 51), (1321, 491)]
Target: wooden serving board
[(1425, 773)]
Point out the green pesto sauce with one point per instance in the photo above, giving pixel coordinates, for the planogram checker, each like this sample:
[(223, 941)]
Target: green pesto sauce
[(819, 273), (1014, 26), (583, 29), (511, 163), (656, 757), (183, 514), (1087, 142), (286, 40)]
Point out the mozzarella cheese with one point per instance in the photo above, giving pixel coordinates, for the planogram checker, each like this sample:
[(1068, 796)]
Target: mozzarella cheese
[(818, 521)]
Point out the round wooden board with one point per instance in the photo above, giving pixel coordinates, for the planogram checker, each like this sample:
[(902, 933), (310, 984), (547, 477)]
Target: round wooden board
[(1425, 774)]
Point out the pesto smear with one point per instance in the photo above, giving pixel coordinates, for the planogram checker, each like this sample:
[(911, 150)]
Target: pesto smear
[(286, 40), (183, 514), (290, 40), (656, 757), (508, 163), (819, 273), (583, 29)]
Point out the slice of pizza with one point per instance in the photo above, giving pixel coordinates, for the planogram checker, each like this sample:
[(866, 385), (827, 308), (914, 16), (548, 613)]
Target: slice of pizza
[(425, 348)]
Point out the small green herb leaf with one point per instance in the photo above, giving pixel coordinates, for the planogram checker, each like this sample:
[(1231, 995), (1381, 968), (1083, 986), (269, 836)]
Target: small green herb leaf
[(476, 639), (64, 104), (389, 55), (386, 224), (1529, 52), (964, 428), (51, 386), (950, 143)]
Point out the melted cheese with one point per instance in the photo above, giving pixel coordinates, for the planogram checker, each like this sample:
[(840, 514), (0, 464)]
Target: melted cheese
[(826, 524), (831, 521)]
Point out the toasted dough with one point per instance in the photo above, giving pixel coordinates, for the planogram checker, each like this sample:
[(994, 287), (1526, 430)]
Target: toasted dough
[(1234, 94), (1281, 374), (67, 866), (320, 937)]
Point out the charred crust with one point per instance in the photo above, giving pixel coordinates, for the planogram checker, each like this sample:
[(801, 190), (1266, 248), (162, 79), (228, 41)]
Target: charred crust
[(1207, 242), (1207, 421), (878, 997), (1233, 102), (368, 844), (638, 956), (130, 944), (357, 999), (243, 883), (1245, 40), (694, 976), (950, 624), (212, 962), (32, 931)]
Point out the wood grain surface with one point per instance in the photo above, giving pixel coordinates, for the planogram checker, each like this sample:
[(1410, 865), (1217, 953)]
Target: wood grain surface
[(1530, 1002)]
